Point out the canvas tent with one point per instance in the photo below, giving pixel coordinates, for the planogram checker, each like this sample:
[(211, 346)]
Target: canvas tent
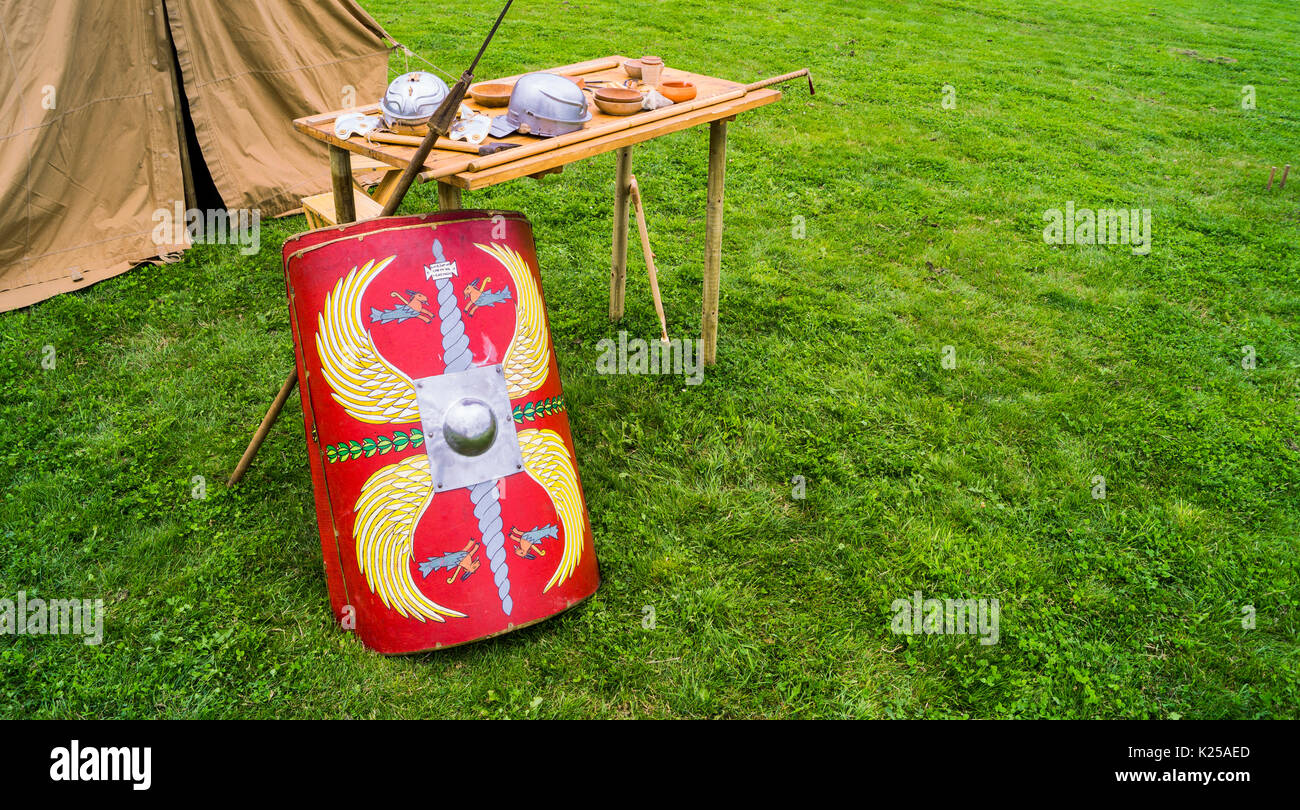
[(116, 109)]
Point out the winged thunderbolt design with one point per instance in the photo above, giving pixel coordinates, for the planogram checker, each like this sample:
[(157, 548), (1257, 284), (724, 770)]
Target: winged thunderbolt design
[(395, 498)]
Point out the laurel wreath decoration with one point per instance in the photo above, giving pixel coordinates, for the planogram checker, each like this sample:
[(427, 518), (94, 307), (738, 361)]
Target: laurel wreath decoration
[(536, 410), (367, 447), (401, 440)]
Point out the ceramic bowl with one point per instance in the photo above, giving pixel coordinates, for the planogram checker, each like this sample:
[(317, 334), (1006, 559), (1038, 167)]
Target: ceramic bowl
[(677, 91), (618, 107), (616, 94), (491, 94)]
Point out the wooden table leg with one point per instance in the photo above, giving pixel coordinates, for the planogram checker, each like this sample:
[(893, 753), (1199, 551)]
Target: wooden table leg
[(386, 185), (345, 207), (618, 263), (713, 239), (448, 197)]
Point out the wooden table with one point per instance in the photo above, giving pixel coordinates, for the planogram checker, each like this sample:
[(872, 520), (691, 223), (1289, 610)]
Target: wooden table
[(717, 102)]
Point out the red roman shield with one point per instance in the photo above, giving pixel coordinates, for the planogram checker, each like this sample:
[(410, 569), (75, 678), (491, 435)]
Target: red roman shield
[(447, 489)]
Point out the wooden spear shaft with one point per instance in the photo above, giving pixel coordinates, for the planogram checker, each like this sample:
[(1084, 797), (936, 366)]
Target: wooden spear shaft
[(439, 124), (264, 428)]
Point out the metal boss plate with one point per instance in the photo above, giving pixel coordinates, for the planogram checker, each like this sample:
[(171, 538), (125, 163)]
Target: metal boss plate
[(469, 432)]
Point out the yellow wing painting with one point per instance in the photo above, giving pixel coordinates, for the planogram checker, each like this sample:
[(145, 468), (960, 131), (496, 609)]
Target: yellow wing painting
[(528, 356), (391, 504), (547, 460), (363, 382)]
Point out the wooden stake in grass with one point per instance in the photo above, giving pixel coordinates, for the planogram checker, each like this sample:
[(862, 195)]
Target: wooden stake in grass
[(649, 256), (1271, 170), (1285, 171)]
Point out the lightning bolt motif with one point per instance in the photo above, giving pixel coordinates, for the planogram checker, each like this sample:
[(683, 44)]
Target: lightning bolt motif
[(394, 499), (527, 359), (390, 507), (363, 382)]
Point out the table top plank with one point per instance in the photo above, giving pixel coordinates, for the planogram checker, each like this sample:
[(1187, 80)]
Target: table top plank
[(321, 127), (607, 143)]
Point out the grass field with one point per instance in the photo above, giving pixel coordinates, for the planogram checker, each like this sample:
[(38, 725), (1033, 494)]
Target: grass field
[(924, 230)]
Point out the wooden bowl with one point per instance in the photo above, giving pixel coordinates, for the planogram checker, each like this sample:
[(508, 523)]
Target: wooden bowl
[(618, 107), (677, 91), (491, 94), (616, 94), (632, 68)]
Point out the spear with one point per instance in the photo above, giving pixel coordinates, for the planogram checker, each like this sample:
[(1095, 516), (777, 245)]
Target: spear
[(440, 123)]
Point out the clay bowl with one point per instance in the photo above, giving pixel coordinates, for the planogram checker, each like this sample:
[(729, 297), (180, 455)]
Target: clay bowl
[(616, 94), (632, 68), (610, 107), (491, 94), (677, 91), (617, 100)]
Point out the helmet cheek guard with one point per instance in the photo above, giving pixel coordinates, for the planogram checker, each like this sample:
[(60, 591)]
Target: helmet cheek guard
[(437, 430)]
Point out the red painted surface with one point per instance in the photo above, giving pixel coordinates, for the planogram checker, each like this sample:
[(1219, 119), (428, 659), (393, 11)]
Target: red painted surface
[(315, 264)]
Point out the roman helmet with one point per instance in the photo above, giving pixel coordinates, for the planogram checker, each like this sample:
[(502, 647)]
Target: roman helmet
[(412, 99), (545, 104)]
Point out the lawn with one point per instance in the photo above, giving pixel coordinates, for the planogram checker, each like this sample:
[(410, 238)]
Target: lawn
[(896, 334)]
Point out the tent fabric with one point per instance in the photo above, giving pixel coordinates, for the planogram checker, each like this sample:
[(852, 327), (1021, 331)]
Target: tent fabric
[(92, 135), (249, 74), (88, 142)]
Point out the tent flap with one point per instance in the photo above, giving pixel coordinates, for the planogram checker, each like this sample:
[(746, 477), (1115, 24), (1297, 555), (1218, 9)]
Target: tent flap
[(88, 143), (249, 74), (91, 131)]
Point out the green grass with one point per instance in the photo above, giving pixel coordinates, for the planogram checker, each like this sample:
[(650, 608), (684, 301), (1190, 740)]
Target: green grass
[(972, 482)]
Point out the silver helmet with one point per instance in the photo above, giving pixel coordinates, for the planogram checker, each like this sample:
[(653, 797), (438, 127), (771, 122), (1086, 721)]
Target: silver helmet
[(412, 99), (545, 104)]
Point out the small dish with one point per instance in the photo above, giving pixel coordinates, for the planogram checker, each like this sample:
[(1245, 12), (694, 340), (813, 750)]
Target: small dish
[(632, 67), (491, 94), (677, 91)]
